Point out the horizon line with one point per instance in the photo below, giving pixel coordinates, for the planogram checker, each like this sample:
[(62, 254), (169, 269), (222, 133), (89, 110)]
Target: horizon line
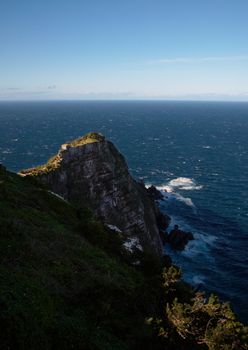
[(124, 100)]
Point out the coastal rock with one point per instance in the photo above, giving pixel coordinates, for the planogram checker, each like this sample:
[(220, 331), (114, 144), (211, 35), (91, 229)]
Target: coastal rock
[(91, 171), (178, 238), (163, 220), (154, 193)]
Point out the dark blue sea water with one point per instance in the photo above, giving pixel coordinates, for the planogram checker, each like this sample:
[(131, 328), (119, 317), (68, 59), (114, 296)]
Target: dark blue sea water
[(198, 151)]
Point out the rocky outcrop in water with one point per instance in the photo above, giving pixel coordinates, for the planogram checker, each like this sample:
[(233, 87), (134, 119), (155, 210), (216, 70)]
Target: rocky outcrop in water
[(178, 239), (91, 171)]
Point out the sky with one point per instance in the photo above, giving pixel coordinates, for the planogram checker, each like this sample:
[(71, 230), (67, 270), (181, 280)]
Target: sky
[(124, 49)]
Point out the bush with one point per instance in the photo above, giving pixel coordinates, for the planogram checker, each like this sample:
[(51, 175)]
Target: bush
[(200, 322)]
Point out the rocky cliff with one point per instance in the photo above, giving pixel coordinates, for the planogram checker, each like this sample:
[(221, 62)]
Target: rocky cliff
[(92, 172)]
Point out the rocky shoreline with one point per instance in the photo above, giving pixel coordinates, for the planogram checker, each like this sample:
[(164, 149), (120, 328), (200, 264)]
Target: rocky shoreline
[(176, 237)]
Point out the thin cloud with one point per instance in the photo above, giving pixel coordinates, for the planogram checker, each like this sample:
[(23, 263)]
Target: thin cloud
[(202, 59)]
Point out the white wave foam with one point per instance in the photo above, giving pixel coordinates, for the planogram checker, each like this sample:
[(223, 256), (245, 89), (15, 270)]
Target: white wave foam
[(184, 183), (200, 246), (168, 193), (164, 188), (187, 201), (202, 243), (189, 188), (180, 183)]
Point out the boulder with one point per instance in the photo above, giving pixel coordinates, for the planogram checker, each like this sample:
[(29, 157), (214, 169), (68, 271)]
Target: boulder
[(178, 238)]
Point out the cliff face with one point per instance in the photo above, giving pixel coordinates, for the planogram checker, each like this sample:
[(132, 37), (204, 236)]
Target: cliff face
[(91, 171)]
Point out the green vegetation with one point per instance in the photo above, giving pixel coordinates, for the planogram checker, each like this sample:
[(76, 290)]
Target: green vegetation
[(196, 322), (54, 162), (66, 282), (89, 138)]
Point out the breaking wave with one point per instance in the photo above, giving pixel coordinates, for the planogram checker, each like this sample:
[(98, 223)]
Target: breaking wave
[(183, 183), (196, 254), (170, 189), (180, 183), (185, 200)]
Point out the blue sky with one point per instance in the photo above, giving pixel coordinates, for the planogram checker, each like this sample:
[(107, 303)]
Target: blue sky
[(112, 49)]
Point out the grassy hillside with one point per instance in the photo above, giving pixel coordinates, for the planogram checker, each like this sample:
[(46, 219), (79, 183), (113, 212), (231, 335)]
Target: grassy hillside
[(64, 280), (68, 283)]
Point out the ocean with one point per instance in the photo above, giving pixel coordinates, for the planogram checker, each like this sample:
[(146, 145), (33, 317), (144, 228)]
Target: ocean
[(196, 151)]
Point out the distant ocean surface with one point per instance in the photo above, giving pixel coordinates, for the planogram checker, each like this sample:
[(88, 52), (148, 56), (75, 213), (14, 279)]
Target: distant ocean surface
[(197, 151)]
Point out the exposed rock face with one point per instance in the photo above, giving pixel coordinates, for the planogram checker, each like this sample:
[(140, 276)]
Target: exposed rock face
[(163, 220), (178, 238), (154, 193), (91, 171)]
